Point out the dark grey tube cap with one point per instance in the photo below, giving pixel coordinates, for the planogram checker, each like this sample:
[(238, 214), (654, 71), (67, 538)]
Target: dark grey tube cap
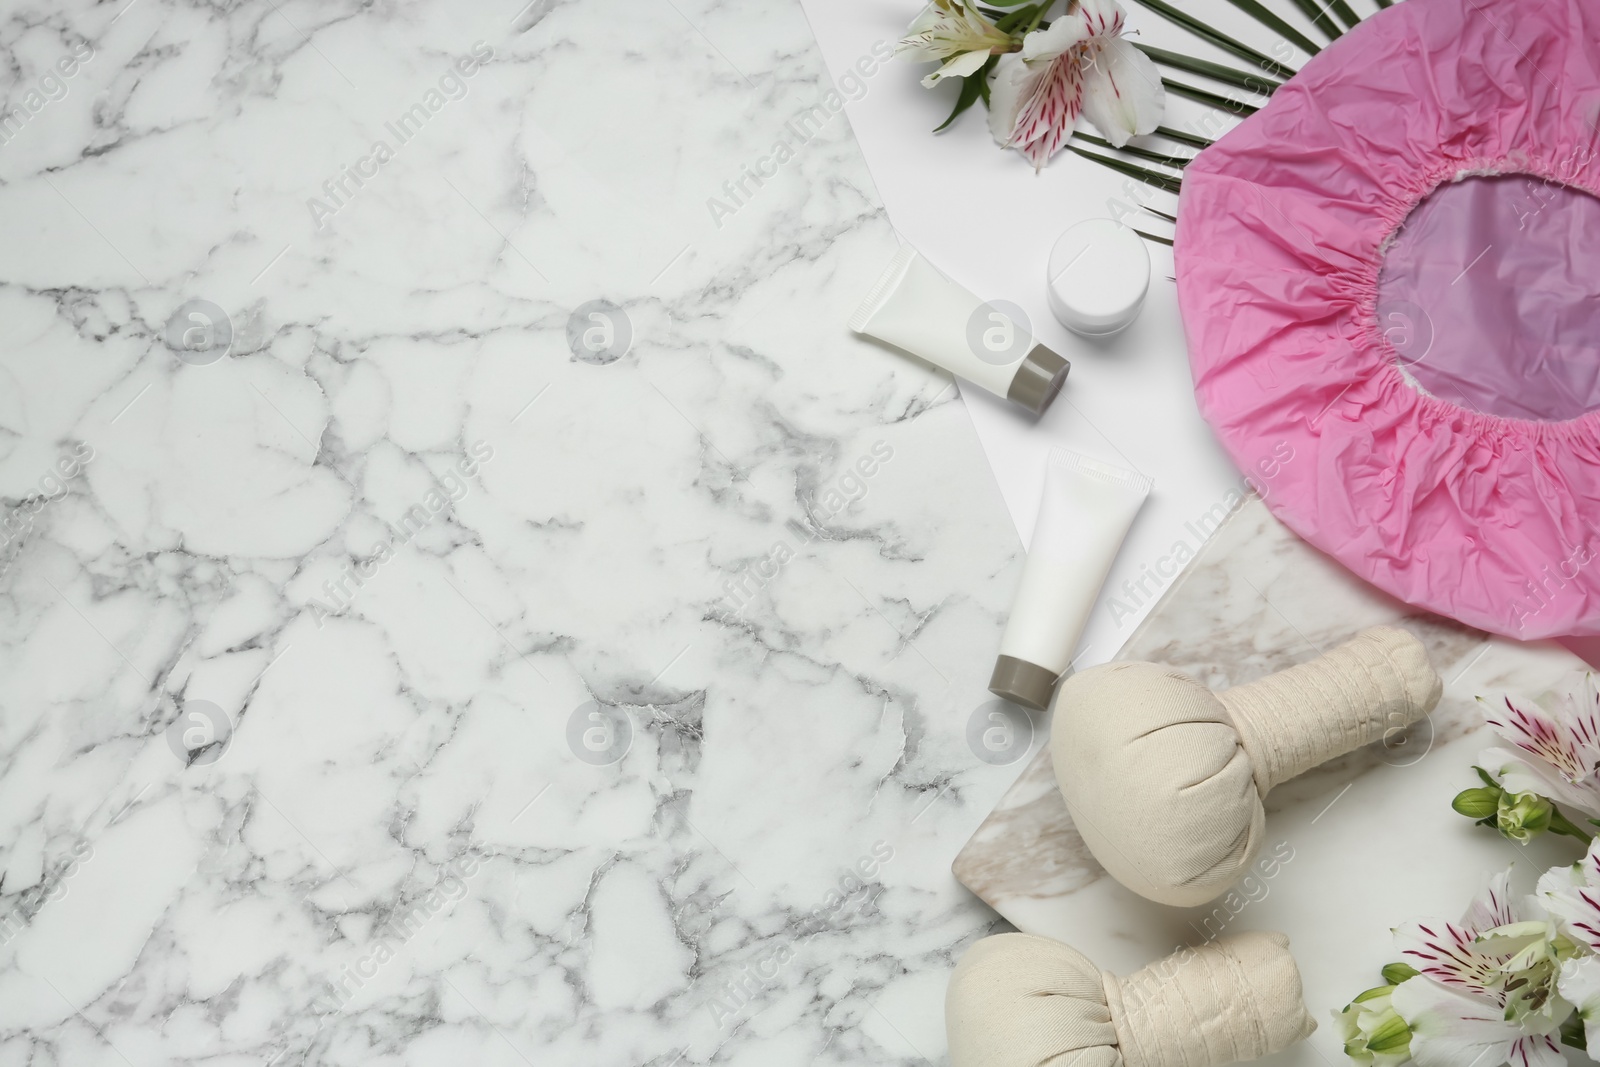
[(1022, 682), (1038, 379)]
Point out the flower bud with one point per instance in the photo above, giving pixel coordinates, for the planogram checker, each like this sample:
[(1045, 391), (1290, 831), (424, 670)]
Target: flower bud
[(1480, 803), (1395, 973), (1523, 816), (1374, 1033)]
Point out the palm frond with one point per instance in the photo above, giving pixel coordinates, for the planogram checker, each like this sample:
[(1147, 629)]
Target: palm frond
[(1175, 162), (1272, 22), (1161, 214), (1350, 19), (1152, 237), (1318, 14), (1183, 137), (1132, 170), (1210, 99), (1218, 38), (1244, 79)]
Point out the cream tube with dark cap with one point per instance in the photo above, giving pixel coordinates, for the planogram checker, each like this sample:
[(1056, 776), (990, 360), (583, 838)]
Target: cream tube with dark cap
[(914, 307), (1083, 517)]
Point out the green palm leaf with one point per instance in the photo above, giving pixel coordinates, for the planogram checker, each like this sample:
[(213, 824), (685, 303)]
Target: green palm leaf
[(1183, 137), (1277, 25), (1209, 98), (1132, 170), (1318, 14), (1175, 162), (1218, 38), (1244, 79), (1348, 17)]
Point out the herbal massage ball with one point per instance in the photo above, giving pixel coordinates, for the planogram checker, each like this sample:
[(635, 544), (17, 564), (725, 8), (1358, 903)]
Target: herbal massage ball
[(1164, 778), (1017, 1000)]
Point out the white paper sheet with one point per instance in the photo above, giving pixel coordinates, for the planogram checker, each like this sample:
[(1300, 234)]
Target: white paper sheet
[(984, 218)]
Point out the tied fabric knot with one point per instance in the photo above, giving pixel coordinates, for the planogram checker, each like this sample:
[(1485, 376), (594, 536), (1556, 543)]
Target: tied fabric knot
[(1164, 779), (1018, 1000)]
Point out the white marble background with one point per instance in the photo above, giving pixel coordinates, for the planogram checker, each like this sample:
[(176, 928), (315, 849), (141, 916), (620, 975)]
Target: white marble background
[(385, 796)]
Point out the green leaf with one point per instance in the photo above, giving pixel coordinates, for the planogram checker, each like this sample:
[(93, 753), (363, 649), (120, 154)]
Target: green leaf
[(1382, 3), (1152, 237), (1277, 25), (1176, 162), (1488, 781), (1184, 138), (1021, 16), (1218, 38), (1162, 214), (1207, 97), (1244, 79), (1347, 16), (1314, 11), (973, 86), (1132, 170), (1395, 973), (1572, 1032)]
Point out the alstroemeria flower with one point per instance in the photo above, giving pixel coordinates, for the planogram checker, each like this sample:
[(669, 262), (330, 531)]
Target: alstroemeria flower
[(1485, 992), (954, 33), (1572, 896), (1557, 751), (1078, 65), (1580, 984), (1449, 1028)]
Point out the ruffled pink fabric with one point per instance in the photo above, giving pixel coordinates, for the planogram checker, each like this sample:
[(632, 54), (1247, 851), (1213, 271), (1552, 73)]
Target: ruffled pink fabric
[(1283, 231)]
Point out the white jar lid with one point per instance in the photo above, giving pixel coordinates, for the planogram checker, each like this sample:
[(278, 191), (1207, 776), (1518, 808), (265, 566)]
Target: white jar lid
[(1099, 273)]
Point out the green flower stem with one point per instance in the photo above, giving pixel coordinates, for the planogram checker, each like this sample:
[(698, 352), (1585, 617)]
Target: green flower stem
[(1560, 824)]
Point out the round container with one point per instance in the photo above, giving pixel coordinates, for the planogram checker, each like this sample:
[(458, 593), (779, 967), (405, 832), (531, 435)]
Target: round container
[(1099, 273)]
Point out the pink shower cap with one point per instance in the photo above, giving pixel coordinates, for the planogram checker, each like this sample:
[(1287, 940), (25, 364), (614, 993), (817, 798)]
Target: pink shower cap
[(1390, 282)]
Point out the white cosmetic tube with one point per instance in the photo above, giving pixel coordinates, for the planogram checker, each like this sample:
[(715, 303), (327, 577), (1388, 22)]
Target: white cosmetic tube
[(914, 307), (1083, 518)]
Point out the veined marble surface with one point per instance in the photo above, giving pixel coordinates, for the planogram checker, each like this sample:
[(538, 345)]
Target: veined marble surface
[(1364, 842), (405, 660)]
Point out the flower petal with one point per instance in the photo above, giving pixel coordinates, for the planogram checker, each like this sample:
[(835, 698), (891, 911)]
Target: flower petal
[(1536, 1050), (957, 67), (1010, 86), (1448, 954), (1061, 35), (1050, 111), (1492, 906), (1102, 18), (1451, 954), (1450, 1028), (1580, 983), (1123, 95), (1567, 739), (1572, 896)]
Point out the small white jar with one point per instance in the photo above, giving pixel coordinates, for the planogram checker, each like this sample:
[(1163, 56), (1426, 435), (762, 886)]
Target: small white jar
[(1099, 274)]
